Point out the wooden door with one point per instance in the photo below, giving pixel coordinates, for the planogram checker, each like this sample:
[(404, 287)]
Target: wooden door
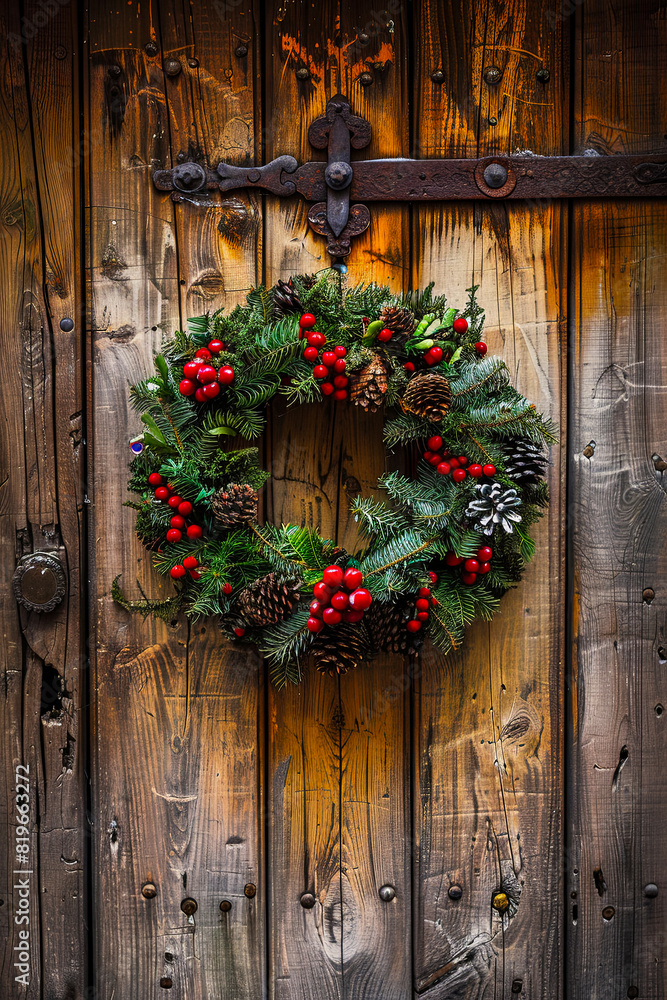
[(166, 775)]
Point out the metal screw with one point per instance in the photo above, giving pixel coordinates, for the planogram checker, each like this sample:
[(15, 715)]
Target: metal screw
[(166, 983), (365, 79), (307, 900), (241, 51), (492, 75), (387, 893), (67, 324), (250, 890), (302, 74), (493, 121), (648, 595), (438, 76), (500, 902), (151, 49), (455, 892), (495, 175), (115, 70), (364, 38), (225, 906), (608, 912), (543, 75), (651, 890), (60, 52), (189, 906), (148, 891), (193, 63), (172, 67)]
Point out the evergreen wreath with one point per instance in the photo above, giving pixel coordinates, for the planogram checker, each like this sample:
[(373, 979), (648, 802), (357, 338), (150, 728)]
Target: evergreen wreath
[(438, 553)]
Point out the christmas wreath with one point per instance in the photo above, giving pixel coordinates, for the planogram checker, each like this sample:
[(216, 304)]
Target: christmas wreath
[(438, 552)]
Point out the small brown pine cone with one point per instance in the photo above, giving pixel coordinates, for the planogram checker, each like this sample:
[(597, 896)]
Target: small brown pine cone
[(235, 505), (386, 624), (340, 648), (427, 395), (269, 599), (286, 299), (369, 385), (398, 320)]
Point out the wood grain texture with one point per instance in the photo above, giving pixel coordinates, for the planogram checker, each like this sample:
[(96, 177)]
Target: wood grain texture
[(617, 942), (41, 497), (487, 719)]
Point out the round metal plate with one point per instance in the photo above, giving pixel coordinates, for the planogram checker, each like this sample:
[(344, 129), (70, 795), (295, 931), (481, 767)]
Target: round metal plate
[(495, 192), (39, 582)]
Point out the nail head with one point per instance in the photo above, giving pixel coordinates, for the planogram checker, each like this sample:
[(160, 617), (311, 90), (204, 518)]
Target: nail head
[(648, 595), (437, 76), (60, 52), (115, 70), (455, 892), (250, 890), (148, 891), (517, 986), (189, 906), (193, 63), (66, 324), (302, 74), (543, 75), (241, 51), (172, 67), (608, 912), (151, 49), (500, 902), (364, 38), (365, 79), (651, 890), (307, 900), (493, 121), (495, 175), (492, 75), (387, 893), (225, 906)]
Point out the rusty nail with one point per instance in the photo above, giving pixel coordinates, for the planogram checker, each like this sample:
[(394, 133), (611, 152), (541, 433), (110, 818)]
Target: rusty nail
[(387, 893), (500, 902), (517, 985), (492, 75), (648, 595), (166, 983), (241, 51), (365, 79), (60, 52), (189, 906), (302, 74), (608, 912), (66, 324), (493, 121), (307, 900), (543, 75), (438, 76), (250, 890), (225, 906), (455, 892), (193, 63), (151, 49), (495, 175), (633, 992), (115, 70), (364, 38), (659, 463), (172, 67), (589, 450), (651, 890), (148, 891)]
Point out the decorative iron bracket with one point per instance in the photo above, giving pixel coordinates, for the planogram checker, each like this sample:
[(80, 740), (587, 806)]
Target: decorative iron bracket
[(340, 185)]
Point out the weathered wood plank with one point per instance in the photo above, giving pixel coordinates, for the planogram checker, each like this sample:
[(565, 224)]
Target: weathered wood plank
[(619, 437), (487, 720), (41, 500)]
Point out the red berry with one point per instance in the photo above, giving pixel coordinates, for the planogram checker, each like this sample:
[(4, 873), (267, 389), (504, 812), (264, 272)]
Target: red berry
[(200, 395), (453, 560), (227, 588), (340, 394), (409, 367), (424, 592), (186, 387), (475, 470), (413, 626), (316, 609), (322, 592), (353, 578), (328, 358), (185, 508), (484, 567), (239, 631), (331, 616), (211, 390), (206, 374), (433, 576), (326, 388), (436, 354), (173, 535), (428, 455), (340, 601), (435, 442), (215, 346), (307, 321), (177, 521), (422, 616), (340, 351), (443, 468), (316, 339), (203, 353), (489, 470), (190, 562), (485, 553), (471, 565), (481, 347), (190, 368), (320, 371), (161, 493), (194, 531), (468, 577), (174, 501), (333, 576), (421, 604), (454, 462), (463, 460), (458, 475), (155, 479), (195, 575), (385, 335), (340, 381), (435, 458), (460, 324), (428, 358), (340, 365), (360, 599), (311, 354), (315, 625), (177, 571), (352, 616), (226, 375)]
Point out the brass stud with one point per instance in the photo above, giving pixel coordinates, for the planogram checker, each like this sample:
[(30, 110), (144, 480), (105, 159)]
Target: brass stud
[(437, 76), (455, 892), (365, 79), (151, 49), (651, 890), (225, 906), (387, 893), (172, 67), (241, 51), (543, 75), (500, 902), (250, 890), (189, 906), (302, 74), (148, 891), (492, 75), (307, 900), (608, 912)]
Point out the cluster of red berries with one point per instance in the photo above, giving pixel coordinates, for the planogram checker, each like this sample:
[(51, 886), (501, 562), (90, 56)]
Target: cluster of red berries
[(208, 377), (445, 463), (472, 568), (182, 509), (339, 597), (329, 366), (422, 605)]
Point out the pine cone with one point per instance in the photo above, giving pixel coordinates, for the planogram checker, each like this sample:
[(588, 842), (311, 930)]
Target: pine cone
[(269, 599), (235, 505), (427, 395), (339, 649), (369, 385), (398, 320), (525, 462), (286, 299), (386, 626), (493, 505)]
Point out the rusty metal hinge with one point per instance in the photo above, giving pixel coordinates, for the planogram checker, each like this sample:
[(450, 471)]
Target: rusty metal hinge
[(339, 186)]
